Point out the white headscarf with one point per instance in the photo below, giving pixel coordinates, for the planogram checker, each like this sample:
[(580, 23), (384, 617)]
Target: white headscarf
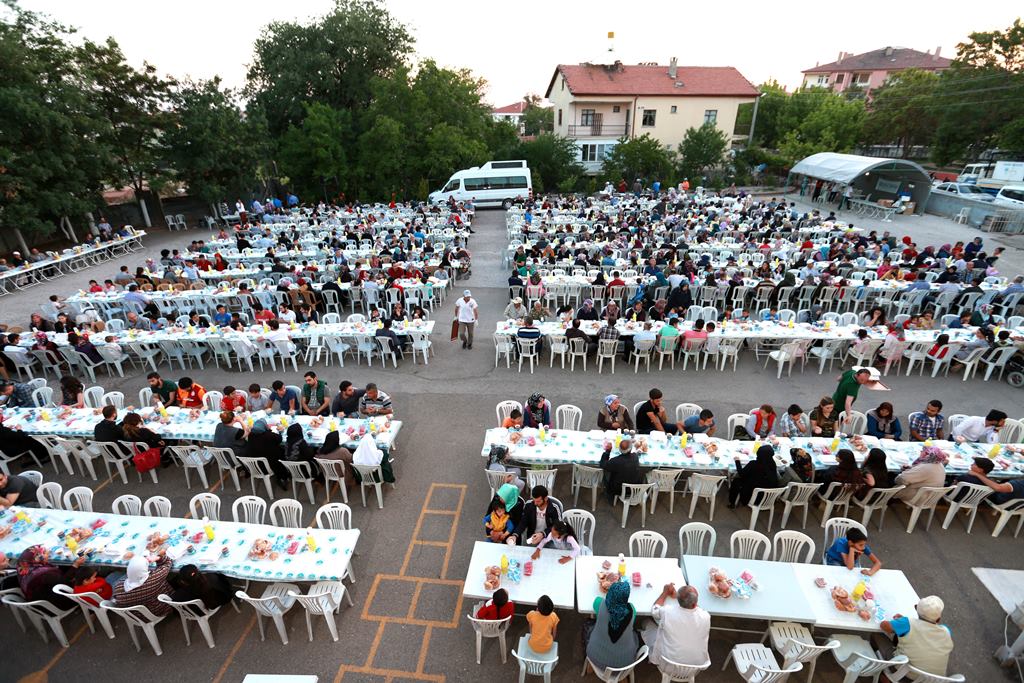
[(138, 572), (367, 452)]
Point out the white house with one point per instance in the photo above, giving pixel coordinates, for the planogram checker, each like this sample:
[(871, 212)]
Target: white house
[(512, 113)]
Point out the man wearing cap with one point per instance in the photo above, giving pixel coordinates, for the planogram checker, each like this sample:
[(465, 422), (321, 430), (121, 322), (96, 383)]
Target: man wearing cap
[(466, 313), (1004, 491), (924, 641), (515, 309), (587, 311)]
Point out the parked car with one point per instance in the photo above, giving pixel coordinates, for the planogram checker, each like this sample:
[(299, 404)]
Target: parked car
[(965, 190), (1011, 196)]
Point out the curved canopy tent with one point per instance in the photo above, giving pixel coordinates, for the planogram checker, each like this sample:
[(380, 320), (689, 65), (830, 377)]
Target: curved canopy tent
[(872, 178)]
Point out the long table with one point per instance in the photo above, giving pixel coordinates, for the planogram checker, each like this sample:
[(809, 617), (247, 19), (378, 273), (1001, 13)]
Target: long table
[(655, 572), (227, 553), (563, 446), (180, 424), (549, 576), (66, 262)]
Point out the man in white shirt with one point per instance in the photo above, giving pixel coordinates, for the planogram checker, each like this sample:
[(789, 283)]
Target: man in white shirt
[(16, 353), (680, 629), (979, 429), (466, 313)]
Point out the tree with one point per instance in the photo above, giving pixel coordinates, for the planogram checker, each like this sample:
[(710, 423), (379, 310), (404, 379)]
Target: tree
[(701, 149), (314, 154), (211, 146), (382, 158), (834, 124), (553, 161), (332, 60), (770, 112), (537, 119), (994, 49), (502, 139), (642, 157), (902, 110)]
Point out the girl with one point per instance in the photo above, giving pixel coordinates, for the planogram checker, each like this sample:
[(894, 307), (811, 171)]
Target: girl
[(845, 472), (940, 348), (800, 470), (72, 392), (823, 418), (497, 523), (543, 625), (876, 474), (561, 537)]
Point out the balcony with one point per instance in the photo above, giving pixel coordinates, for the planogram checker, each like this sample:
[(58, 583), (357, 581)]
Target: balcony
[(597, 130)]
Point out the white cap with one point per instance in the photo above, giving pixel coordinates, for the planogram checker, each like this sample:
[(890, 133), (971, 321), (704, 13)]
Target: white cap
[(467, 293), (930, 608)]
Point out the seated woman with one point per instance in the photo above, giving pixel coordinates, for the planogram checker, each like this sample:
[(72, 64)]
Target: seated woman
[(940, 349), (134, 431), (929, 469), (800, 470), (760, 472), (191, 584), (333, 450), (876, 473), (231, 433), (143, 585), (883, 423), (537, 411), (613, 641), (983, 339), (845, 472), (72, 392), (367, 453), (37, 576), (823, 418), (296, 448)]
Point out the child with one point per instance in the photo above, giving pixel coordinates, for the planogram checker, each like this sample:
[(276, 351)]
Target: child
[(561, 537), (497, 608), (940, 348), (543, 625), (86, 581), (233, 399), (847, 551), (771, 315), (514, 420), (497, 524)]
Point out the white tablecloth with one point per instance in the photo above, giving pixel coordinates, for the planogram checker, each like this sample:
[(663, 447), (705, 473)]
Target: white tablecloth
[(778, 598), (549, 577), (655, 572), (892, 592)]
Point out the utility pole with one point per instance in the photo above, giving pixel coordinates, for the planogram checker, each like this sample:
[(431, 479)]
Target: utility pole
[(753, 121)]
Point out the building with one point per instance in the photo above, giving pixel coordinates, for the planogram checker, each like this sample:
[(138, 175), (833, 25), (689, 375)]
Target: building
[(513, 113), (596, 104), (870, 70)]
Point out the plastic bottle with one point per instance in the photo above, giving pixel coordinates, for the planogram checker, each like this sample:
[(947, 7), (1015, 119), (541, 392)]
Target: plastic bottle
[(504, 563), (835, 444), (683, 439), (622, 564), (208, 528), (311, 542)]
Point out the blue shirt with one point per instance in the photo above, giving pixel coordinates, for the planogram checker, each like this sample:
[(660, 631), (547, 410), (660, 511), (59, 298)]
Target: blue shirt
[(283, 401), (833, 555), (222, 319), (692, 425)]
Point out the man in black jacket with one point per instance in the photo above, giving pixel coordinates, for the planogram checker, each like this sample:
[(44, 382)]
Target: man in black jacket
[(107, 430), (535, 513), (624, 468)]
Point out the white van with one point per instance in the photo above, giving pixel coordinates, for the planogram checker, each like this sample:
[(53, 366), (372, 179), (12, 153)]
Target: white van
[(1011, 196), (496, 183)]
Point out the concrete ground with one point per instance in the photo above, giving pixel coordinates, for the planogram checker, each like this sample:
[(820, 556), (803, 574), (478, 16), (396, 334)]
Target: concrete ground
[(408, 622)]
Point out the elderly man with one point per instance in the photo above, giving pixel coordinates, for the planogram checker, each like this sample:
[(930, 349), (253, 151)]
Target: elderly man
[(587, 311), (624, 468), (515, 309), (374, 402), (924, 641), (679, 630), (979, 429), (138, 322), (466, 313)]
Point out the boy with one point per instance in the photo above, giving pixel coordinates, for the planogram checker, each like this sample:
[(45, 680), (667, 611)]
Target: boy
[(514, 420), (233, 399), (847, 551), (86, 581)]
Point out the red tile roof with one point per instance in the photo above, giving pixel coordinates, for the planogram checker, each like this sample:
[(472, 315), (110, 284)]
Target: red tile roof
[(876, 60), (517, 108), (641, 79)]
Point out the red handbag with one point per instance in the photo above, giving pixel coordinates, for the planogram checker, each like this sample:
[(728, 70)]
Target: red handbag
[(147, 460)]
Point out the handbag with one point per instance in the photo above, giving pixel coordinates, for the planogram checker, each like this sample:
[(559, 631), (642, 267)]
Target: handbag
[(146, 460)]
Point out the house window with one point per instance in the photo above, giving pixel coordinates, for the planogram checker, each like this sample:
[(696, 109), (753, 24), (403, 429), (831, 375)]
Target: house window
[(862, 79), (587, 117), (616, 109), (594, 152), (559, 117), (839, 79), (673, 109), (822, 80), (710, 116), (648, 118)]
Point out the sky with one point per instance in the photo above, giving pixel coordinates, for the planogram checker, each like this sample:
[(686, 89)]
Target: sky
[(516, 47)]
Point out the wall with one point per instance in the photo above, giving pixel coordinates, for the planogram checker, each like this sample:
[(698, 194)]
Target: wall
[(669, 129), (948, 205)]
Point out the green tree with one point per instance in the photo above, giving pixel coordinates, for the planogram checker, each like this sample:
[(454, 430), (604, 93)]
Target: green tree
[(537, 119), (502, 140), (553, 161), (770, 112), (382, 158), (211, 146), (642, 157), (314, 155), (902, 110), (833, 124), (332, 60), (701, 149), (994, 49)]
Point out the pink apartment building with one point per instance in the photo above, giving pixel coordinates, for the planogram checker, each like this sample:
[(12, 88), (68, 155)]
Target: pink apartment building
[(869, 70)]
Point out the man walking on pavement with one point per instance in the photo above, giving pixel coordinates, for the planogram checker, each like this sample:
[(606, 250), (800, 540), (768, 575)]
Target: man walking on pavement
[(466, 313)]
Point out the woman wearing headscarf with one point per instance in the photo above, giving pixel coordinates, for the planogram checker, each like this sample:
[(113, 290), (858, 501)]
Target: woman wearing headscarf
[(333, 450), (928, 470), (142, 585), (497, 462), (367, 453), (758, 473), (614, 415), (509, 495), (264, 443), (296, 447), (800, 470), (191, 584), (37, 577), (537, 411), (613, 641)]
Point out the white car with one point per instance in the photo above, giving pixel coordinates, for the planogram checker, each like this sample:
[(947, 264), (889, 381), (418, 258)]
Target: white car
[(965, 190), (1011, 196)]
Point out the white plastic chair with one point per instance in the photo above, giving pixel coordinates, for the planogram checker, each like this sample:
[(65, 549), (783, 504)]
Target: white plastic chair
[(858, 424), (796, 644), (634, 494), (837, 495), (336, 516), (504, 409), (749, 545), (837, 527), (926, 498), (586, 477), (647, 544), (792, 546), (858, 659), (912, 673), (40, 613), (113, 398), (673, 672), (583, 525), (89, 609), (192, 610), (704, 486), (489, 628), (275, 602), (334, 472), (249, 510), (193, 458), (205, 506), (692, 537), (1007, 511), (259, 470), (876, 499), (965, 497), (757, 664), (287, 513), (568, 417), (545, 478), (371, 475), (127, 504), (157, 506), (50, 496), (324, 599), (797, 495), (138, 617), (79, 498), (764, 499), (542, 666), (614, 675), (301, 473)]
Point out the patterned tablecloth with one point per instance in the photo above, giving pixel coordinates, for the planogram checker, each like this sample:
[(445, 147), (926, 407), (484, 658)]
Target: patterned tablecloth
[(703, 453), (295, 559)]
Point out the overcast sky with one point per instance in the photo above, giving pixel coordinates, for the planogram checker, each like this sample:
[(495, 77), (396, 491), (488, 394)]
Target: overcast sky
[(517, 47)]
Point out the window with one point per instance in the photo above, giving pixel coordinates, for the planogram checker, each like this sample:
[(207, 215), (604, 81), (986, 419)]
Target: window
[(710, 116), (1015, 195), (616, 109), (839, 79), (673, 109), (594, 152), (495, 183), (649, 116), (508, 164), (862, 78), (559, 117), (587, 117), (452, 186), (822, 80)]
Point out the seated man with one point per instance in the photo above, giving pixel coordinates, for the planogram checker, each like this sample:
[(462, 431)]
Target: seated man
[(385, 331), (286, 399), (702, 423), (923, 640), (679, 630), (107, 430), (1005, 491), (346, 401), (539, 515), (190, 394), (651, 416), (314, 399), (515, 309), (624, 468), (529, 331), (374, 402), (977, 429)]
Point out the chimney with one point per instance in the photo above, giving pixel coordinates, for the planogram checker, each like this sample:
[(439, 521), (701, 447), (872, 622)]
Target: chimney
[(938, 51), (888, 52), (673, 68), (841, 55)]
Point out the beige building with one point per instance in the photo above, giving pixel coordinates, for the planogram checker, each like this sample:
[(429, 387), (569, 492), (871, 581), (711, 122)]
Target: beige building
[(596, 104)]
